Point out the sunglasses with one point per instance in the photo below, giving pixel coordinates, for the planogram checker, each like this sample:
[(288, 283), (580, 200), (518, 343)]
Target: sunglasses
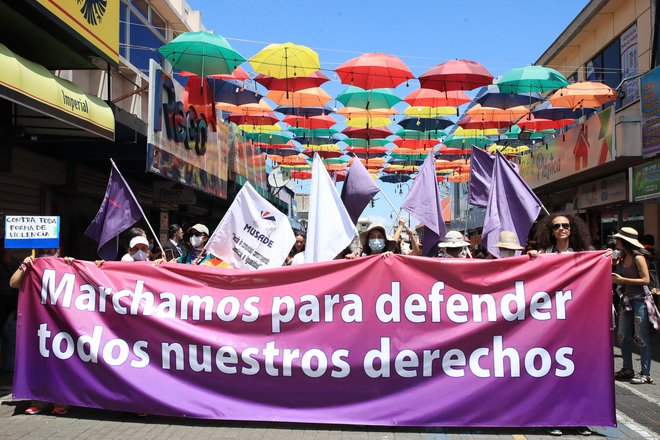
[(556, 226)]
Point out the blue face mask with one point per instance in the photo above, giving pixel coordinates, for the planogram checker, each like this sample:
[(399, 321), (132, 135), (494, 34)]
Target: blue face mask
[(376, 244), (140, 256)]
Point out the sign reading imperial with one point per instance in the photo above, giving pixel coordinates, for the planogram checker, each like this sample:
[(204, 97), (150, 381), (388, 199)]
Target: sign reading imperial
[(94, 21)]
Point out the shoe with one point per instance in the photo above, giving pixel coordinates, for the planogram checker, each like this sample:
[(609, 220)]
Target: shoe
[(34, 410), (555, 431), (641, 379), (624, 374), (59, 410), (584, 430)]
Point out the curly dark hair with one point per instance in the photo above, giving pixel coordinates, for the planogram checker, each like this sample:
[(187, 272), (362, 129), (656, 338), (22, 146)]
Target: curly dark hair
[(578, 240)]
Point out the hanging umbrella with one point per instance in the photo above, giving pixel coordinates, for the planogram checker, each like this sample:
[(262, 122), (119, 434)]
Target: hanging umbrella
[(367, 133), (479, 113), (232, 92), (245, 109), (285, 60), (313, 132), (531, 79), (305, 112), (354, 112), (373, 71), (446, 151), (425, 124), (282, 152), (368, 99), (268, 138), (546, 111), (264, 119), (430, 112), (323, 121), (260, 128), (435, 98), (313, 97), (456, 75), (491, 96), (371, 151), (583, 94), (394, 178), (202, 53), (362, 143), (469, 122), (416, 144), (239, 74), (419, 135), (534, 123), (292, 84), (368, 122)]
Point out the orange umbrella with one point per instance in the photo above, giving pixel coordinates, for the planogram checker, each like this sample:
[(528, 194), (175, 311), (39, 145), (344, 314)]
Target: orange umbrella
[(435, 98), (313, 97), (245, 109), (312, 122), (583, 94), (479, 113), (416, 144), (238, 74), (294, 160)]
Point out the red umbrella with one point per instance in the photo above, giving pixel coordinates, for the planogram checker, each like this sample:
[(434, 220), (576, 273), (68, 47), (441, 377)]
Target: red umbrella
[(292, 84), (456, 75), (312, 122), (416, 144), (530, 122), (238, 74), (435, 98), (375, 151), (367, 133), (444, 150), (374, 71), (468, 122), (301, 175), (267, 118)]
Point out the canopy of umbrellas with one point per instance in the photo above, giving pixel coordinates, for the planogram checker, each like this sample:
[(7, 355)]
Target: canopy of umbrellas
[(513, 113)]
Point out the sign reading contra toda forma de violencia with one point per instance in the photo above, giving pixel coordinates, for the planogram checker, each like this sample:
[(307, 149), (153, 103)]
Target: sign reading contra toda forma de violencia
[(398, 341), (28, 231)]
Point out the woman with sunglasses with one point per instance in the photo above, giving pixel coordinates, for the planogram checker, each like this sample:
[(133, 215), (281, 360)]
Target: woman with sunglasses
[(561, 233)]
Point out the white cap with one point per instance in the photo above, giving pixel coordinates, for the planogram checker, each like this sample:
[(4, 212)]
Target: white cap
[(137, 240)]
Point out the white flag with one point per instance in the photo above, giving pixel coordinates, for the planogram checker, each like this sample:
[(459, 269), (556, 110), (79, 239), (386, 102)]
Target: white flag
[(253, 234), (329, 229)]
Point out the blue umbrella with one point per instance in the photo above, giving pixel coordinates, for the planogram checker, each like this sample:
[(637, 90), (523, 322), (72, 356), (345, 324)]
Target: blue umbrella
[(232, 92), (547, 111), (425, 124), (491, 96), (281, 151), (395, 178), (305, 111), (317, 140)]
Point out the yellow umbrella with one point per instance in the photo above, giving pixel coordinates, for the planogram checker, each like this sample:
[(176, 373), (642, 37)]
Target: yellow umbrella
[(249, 128), (475, 132), (362, 122), (429, 112), (312, 97), (285, 60)]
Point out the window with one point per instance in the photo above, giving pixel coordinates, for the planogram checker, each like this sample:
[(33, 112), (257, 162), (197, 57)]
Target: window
[(605, 67), (159, 24), (139, 38), (142, 6)]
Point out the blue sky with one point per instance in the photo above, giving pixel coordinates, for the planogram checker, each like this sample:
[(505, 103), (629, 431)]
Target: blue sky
[(499, 34)]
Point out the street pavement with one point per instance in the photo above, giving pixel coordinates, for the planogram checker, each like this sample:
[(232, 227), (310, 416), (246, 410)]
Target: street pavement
[(638, 416)]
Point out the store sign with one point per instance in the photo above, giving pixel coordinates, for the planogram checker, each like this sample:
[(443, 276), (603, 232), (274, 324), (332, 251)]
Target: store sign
[(95, 22), (28, 231), (583, 147), (185, 144), (645, 181), (601, 192), (171, 192), (650, 84), (628, 45)]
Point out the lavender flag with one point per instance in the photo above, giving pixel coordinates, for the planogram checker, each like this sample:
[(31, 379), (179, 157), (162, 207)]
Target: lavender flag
[(118, 212), (512, 205), (425, 204), (481, 171), (358, 189)]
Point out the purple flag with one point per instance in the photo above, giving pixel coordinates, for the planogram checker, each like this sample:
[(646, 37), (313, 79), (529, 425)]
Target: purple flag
[(358, 189), (512, 205), (425, 204), (118, 212), (481, 171)]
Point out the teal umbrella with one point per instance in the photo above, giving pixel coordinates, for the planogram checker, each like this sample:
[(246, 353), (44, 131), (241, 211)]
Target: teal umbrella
[(361, 143), (368, 99), (202, 53), (531, 79), (420, 135)]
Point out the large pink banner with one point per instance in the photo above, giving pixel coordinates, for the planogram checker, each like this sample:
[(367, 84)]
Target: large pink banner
[(373, 341)]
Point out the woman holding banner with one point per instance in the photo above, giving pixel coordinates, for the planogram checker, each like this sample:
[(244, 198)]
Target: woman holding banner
[(636, 306), (375, 241)]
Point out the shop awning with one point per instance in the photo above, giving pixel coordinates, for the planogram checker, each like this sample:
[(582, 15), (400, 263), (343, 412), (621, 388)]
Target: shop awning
[(32, 85)]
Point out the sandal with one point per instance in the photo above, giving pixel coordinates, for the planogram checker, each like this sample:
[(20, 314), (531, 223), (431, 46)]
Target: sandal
[(59, 410), (35, 409), (624, 374)]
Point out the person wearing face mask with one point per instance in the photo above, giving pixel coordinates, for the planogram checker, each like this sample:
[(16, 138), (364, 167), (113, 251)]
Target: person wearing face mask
[(375, 241), (138, 250), (508, 244), (454, 246), (199, 235)]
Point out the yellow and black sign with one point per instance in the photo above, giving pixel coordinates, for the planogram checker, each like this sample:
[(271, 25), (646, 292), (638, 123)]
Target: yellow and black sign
[(95, 21)]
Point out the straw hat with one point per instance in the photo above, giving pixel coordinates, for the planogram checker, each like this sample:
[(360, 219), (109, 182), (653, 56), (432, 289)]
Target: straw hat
[(454, 239), (389, 243), (199, 228), (508, 240), (630, 235)]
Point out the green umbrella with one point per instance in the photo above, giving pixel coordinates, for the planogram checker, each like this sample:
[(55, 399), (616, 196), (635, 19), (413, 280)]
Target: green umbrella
[(268, 138), (531, 79), (201, 53), (368, 99), (314, 132), (466, 142), (362, 143)]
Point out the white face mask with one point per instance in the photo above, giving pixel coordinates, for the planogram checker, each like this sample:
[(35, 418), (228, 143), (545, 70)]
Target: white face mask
[(376, 244), (463, 253), (195, 241), (616, 254), (506, 253), (140, 256)]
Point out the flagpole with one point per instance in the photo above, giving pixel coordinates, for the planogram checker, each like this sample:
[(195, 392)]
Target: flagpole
[(388, 199), (139, 207)]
